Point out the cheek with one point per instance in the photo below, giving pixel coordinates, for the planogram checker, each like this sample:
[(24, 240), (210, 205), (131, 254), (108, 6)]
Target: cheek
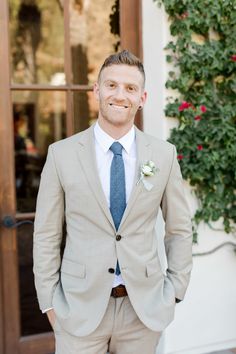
[(136, 99), (136, 103), (104, 98), (102, 102)]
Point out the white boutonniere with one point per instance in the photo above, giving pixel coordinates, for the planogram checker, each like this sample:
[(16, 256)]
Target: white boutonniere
[(148, 169)]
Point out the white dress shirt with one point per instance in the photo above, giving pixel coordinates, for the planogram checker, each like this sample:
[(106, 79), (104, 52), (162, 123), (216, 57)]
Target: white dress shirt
[(104, 157)]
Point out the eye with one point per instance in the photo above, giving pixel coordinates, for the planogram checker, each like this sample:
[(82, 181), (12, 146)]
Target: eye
[(131, 88), (111, 85)]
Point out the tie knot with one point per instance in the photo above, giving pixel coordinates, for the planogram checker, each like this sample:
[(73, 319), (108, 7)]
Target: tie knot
[(116, 148)]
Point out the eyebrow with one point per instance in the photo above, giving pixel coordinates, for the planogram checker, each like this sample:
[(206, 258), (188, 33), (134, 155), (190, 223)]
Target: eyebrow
[(126, 83)]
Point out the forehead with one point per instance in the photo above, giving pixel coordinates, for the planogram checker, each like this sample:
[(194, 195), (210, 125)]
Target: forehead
[(122, 74)]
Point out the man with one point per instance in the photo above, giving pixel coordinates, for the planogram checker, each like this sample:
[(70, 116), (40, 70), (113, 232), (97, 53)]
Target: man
[(108, 291)]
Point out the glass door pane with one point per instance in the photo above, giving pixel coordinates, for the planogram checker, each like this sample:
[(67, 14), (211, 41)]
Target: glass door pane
[(39, 120), (85, 110), (94, 34), (37, 41)]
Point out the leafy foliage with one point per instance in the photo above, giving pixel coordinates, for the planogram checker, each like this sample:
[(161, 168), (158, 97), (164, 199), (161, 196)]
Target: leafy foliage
[(203, 55)]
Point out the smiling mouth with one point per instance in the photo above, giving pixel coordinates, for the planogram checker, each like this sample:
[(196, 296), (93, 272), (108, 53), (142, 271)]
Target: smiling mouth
[(118, 106)]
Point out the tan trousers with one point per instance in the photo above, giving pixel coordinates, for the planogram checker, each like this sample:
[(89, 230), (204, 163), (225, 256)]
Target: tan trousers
[(120, 332)]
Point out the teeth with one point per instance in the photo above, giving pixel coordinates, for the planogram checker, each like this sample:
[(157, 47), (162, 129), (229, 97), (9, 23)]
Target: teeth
[(118, 106)]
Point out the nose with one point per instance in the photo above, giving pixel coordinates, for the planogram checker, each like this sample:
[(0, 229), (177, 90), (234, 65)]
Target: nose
[(120, 93)]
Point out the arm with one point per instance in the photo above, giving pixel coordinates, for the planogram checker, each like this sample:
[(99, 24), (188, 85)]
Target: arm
[(48, 232), (178, 231)]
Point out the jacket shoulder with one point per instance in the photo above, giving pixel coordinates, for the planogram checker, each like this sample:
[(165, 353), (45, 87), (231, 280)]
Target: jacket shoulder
[(69, 142), (158, 143)]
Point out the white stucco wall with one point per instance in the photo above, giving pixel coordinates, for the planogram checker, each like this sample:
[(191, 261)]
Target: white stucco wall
[(206, 320)]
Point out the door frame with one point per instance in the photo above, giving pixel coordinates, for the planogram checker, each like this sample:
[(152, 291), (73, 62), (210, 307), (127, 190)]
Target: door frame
[(1, 310), (8, 257), (11, 341)]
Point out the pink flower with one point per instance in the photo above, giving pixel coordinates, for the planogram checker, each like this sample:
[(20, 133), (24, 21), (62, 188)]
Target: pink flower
[(233, 57), (198, 118), (184, 15), (203, 109), (199, 147), (184, 105), (180, 157)]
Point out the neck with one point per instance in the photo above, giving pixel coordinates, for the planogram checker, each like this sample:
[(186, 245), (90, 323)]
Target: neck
[(116, 132)]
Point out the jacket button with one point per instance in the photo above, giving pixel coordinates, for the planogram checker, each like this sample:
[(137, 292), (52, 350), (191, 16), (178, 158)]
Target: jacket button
[(118, 237), (111, 270)]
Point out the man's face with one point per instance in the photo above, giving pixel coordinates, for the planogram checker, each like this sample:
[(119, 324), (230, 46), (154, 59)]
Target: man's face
[(120, 93)]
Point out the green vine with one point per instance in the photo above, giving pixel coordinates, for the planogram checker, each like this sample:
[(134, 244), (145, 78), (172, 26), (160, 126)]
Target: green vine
[(203, 55)]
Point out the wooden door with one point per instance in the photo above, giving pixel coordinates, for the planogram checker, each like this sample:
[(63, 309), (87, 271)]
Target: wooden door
[(50, 53)]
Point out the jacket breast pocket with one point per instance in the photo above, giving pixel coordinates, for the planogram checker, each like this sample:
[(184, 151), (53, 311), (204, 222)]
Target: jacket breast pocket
[(73, 268)]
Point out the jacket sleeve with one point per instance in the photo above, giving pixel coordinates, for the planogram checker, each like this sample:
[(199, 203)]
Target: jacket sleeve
[(48, 232), (178, 231)]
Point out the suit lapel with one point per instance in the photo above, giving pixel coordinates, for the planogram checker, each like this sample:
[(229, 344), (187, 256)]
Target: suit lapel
[(86, 154), (143, 155)]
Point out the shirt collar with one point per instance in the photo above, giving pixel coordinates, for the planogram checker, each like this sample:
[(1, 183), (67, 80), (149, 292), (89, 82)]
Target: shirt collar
[(105, 140)]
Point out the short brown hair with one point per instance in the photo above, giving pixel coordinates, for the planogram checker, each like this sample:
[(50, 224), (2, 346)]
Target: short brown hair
[(123, 58)]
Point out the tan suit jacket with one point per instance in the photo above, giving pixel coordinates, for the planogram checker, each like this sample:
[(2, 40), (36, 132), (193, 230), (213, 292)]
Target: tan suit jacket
[(78, 286)]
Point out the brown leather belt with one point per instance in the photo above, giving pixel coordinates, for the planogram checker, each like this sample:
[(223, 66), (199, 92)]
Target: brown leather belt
[(119, 291)]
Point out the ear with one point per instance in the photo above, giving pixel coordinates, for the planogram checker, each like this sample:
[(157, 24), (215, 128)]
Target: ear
[(96, 90), (143, 99)]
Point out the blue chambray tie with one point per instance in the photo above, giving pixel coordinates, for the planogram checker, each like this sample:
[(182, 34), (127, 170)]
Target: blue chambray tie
[(117, 188)]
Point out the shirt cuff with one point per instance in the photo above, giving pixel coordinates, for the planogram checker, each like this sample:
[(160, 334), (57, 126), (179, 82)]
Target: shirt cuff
[(46, 310)]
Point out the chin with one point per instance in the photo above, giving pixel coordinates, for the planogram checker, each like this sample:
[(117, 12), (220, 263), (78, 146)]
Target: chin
[(120, 122)]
